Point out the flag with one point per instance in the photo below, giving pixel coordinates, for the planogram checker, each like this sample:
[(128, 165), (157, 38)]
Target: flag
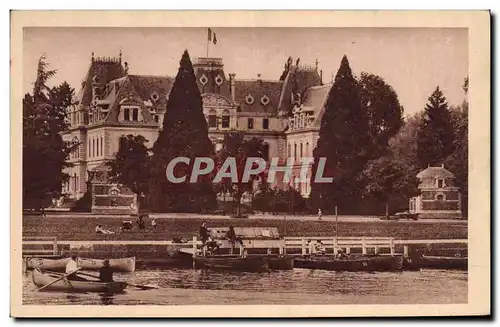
[(210, 38)]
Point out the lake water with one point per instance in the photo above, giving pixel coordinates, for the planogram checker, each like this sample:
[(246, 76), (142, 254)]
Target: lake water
[(297, 286)]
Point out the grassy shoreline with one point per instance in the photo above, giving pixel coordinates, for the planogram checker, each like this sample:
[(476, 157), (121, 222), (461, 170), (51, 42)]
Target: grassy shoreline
[(82, 229)]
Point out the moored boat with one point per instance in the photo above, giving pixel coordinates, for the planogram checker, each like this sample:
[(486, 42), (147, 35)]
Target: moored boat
[(119, 265), (354, 263), (440, 262), (225, 262), (42, 278), (280, 262)]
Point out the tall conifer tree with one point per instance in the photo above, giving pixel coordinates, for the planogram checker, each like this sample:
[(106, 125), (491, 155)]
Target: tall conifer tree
[(184, 134), (343, 141), (435, 140)]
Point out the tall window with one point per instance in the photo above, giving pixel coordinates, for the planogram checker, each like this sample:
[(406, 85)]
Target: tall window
[(289, 150), (102, 153), (301, 153), (212, 119), (225, 119), (265, 123), (440, 183), (88, 150), (307, 149), (74, 182), (126, 114), (266, 152), (250, 123), (295, 150), (93, 147), (135, 114)]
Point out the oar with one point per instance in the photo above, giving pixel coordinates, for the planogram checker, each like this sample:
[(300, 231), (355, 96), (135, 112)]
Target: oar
[(62, 277), (144, 287)]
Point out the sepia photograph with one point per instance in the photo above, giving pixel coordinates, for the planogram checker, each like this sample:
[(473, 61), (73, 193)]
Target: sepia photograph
[(215, 165)]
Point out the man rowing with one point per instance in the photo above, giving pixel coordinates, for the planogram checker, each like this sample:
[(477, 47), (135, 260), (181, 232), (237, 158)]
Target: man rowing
[(71, 267)]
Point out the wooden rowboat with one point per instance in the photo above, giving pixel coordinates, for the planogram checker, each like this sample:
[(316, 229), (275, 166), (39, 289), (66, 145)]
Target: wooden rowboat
[(41, 278), (355, 263), (119, 265), (439, 262), (224, 262)]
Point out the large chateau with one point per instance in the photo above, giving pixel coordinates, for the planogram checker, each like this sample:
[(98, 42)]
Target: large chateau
[(285, 113)]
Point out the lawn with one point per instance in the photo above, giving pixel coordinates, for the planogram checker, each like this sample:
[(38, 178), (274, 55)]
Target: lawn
[(82, 229)]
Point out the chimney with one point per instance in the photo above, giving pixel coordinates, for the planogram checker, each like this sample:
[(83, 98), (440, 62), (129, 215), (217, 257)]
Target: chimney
[(232, 78), (259, 77)]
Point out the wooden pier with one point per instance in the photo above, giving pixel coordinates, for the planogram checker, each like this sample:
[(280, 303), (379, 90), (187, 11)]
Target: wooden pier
[(51, 247)]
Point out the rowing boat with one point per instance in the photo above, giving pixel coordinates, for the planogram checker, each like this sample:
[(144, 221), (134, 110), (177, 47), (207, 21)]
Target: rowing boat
[(229, 262), (355, 263), (119, 265), (41, 278)]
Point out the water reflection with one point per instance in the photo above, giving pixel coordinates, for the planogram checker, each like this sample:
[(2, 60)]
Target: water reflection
[(298, 286), (106, 299)]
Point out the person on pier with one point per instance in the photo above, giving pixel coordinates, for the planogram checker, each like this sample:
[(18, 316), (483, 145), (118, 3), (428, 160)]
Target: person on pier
[(231, 236), (204, 233)]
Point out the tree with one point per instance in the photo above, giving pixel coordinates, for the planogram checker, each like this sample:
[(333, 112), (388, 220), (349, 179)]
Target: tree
[(458, 161), (435, 141), (184, 134), (385, 113), (343, 141), (130, 165), (44, 114), (236, 146), (389, 180)]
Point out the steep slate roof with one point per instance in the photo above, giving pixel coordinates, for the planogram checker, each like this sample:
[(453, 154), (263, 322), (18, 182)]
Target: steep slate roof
[(316, 97), (299, 79), (257, 89), (435, 172), (105, 71), (146, 86), (120, 89)]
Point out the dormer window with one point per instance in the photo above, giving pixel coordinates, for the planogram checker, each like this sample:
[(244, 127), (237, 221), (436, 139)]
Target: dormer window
[(295, 98), (218, 80), (203, 80), (440, 183), (130, 114), (249, 99)]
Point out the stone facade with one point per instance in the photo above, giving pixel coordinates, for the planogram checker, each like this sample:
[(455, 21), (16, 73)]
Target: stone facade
[(285, 113), (439, 197)]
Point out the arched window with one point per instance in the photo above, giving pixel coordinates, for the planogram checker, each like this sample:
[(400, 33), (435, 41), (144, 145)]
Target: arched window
[(307, 149)]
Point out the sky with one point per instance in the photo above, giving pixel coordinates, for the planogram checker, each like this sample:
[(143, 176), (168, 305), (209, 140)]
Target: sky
[(412, 60)]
